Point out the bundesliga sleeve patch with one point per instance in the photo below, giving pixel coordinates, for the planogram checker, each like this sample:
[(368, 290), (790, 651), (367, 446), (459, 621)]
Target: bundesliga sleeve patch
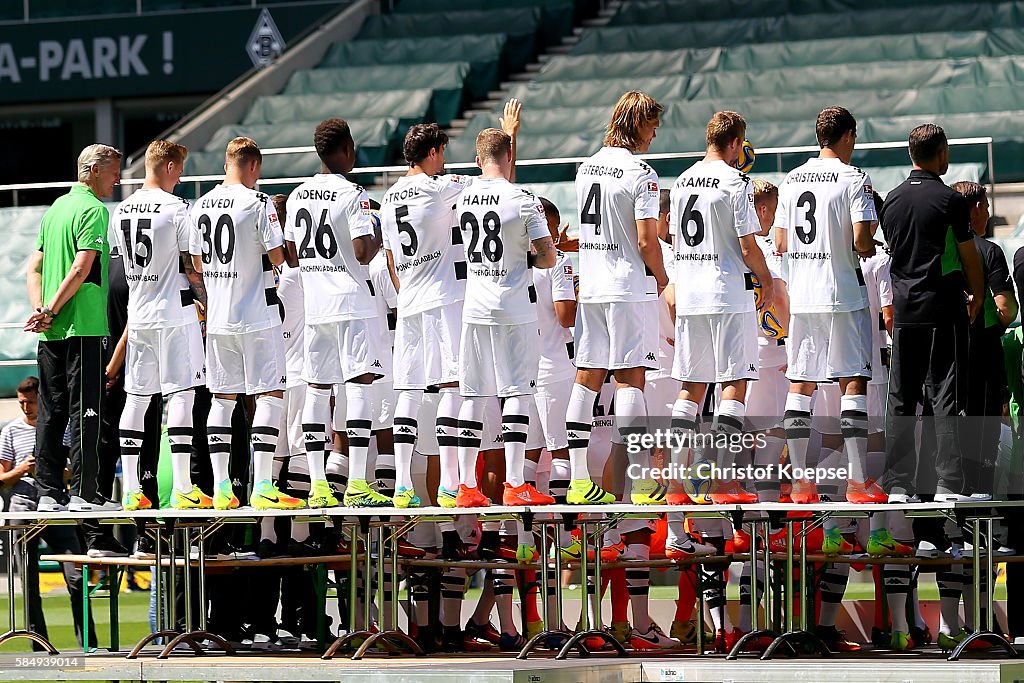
[(272, 216), (652, 187), (364, 206), (567, 269), (869, 191)]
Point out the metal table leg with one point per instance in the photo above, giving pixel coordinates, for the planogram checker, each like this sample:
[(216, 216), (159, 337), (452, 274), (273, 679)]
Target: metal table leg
[(554, 631), (13, 631), (394, 635)]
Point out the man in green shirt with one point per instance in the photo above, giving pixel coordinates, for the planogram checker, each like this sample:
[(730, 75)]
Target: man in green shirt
[(67, 286)]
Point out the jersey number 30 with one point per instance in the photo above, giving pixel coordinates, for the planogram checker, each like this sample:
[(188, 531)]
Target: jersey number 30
[(219, 239)]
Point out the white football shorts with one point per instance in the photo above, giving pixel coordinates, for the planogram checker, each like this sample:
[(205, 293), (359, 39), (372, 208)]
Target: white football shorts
[(247, 363), (163, 361), (716, 347), (827, 346), (427, 347), (338, 351), (615, 336), (498, 360), (552, 403)]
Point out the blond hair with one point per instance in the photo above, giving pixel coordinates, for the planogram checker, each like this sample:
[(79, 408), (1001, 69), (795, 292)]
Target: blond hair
[(763, 190), (96, 155), (723, 128), (242, 150), (492, 144), (162, 152), (634, 110)]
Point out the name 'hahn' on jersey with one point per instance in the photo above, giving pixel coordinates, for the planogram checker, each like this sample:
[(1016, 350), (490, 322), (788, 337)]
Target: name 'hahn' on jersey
[(233, 228), (151, 230), (818, 204), (498, 222), (614, 189), (325, 214), (712, 207), (418, 221)]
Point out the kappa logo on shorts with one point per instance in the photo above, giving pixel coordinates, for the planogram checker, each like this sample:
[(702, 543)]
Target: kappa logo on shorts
[(651, 356), (376, 364), (533, 384), (867, 366), (199, 375), (284, 379), (751, 368)]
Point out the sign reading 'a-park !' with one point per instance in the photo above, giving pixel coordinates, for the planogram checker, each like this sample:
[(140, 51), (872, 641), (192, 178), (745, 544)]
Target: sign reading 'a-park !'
[(155, 54)]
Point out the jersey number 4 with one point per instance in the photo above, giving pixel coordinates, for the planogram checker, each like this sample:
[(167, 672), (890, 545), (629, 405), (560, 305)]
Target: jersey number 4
[(324, 242), (141, 240), (491, 245), (219, 239), (591, 212)]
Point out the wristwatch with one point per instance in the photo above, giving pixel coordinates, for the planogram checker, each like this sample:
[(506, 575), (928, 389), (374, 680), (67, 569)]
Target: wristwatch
[(45, 310)]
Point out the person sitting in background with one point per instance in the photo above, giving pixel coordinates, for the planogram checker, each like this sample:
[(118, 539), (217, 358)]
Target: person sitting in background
[(17, 470)]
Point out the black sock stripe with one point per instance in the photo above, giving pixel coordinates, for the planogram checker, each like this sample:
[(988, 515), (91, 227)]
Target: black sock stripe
[(515, 419)]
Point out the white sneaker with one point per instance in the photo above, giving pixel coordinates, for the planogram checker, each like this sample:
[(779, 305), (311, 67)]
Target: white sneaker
[(78, 504), (687, 546), (899, 498), (50, 504), (653, 639), (928, 550), (1005, 550)]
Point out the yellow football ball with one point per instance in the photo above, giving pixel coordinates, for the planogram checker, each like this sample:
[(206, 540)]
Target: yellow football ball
[(770, 325), (745, 162)]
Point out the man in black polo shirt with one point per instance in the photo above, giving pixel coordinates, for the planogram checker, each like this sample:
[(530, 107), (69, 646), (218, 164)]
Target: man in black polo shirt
[(927, 226), (986, 382)]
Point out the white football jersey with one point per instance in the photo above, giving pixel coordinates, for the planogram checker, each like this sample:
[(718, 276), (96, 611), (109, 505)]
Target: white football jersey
[(417, 218), (614, 189), (290, 293), (498, 222), (772, 258), (556, 344), (666, 325), (325, 214), (233, 228), (818, 204), (384, 293), (712, 207), (151, 230), (879, 285)]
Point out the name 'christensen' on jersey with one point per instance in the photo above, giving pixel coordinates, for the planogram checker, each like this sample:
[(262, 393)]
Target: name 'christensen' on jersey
[(712, 207), (818, 204), (614, 189), (498, 221), (325, 214), (151, 230), (418, 221), (233, 228)]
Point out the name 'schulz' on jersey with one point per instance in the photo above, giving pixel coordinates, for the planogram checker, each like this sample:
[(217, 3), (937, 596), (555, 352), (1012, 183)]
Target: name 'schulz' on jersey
[(498, 221), (233, 229), (325, 214), (151, 230), (419, 225)]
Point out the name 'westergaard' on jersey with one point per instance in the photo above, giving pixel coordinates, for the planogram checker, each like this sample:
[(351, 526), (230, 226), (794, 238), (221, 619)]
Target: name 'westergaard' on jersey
[(325, 214), (498, 221), (233, 228), (614, 189), (818, 204), (151, 230)]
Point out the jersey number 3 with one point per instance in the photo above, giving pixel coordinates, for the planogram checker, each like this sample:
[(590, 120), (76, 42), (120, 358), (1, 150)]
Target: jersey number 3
[(808, 203)]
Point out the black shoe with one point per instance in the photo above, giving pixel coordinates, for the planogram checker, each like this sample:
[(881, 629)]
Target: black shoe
[(106, 546), (452, 547), (488, 548), (268, 549), (144, 547), (920, 636), (308, 548)]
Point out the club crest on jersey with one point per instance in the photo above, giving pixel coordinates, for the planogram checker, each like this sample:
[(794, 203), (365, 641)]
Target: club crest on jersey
[(652, 187)]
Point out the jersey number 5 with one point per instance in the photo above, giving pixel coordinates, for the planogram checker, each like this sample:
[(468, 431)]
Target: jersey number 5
[(141, 240), (591, 213), (406, 227), (219, 239)]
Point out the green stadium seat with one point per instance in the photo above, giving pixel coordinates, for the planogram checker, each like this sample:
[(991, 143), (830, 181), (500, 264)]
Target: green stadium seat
[(375, 138), (780, 28), (556, 17), (407, 106), (520, 25), (482, 52), (445, 79), (761, 56)]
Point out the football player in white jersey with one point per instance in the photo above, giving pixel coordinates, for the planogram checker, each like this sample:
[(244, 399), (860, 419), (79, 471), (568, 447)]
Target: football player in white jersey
[(164, 340), (713, 229), (330, 232), (500, 349), (236, 240), (826, 218), (428, 268), (618, 197)]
